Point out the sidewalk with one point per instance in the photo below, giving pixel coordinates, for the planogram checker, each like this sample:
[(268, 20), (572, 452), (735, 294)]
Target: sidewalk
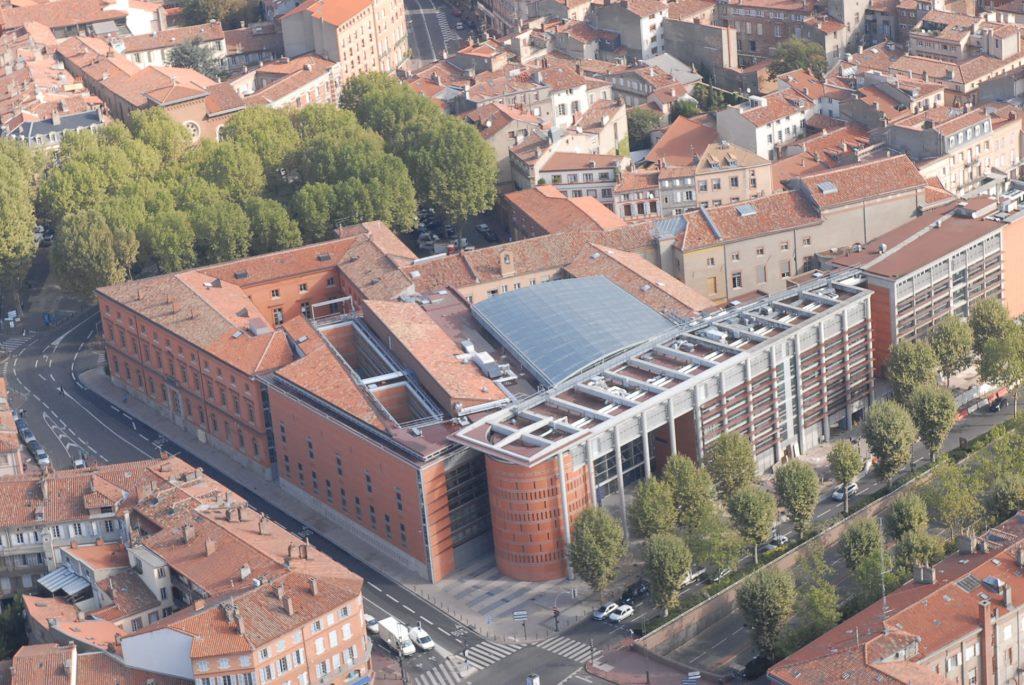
[(624, 666), (478, 596)]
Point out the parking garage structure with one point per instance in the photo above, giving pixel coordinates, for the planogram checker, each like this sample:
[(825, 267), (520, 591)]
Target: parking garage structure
[(784, 370)]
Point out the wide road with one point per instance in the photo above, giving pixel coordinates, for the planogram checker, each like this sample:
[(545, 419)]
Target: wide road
[(431, 31), (69, 419)]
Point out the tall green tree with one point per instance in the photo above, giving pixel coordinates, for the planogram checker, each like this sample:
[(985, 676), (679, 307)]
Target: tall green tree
[(911, 362), (667, 565), (798, 53), (234, 168), (1001, 362), (167, 241), (683, 108), (797, 487), (17, 221), (231, 13), (754, 512), (641, 121), (652, 510), (917, 548), (953, 342), (84, 256), (907, 513), (597, 547), (890, 434), (952, 497), (714, 542), (155, 127), (933, 410), (266, 132), (13, 628), (869, 577), (767, 599), (845, 464), (989, 320), (730, 461), (817, 600), (272, 228), (222, 230), (693, 489), (314, 209), (861, 540)]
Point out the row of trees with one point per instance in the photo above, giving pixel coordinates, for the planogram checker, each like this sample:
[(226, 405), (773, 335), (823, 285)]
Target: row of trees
[(143, 199)]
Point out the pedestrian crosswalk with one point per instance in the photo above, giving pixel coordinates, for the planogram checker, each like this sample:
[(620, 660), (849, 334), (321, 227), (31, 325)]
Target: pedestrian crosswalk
[(484, 654), (447, 33), (14, 343), (445, 673), (568, 648)]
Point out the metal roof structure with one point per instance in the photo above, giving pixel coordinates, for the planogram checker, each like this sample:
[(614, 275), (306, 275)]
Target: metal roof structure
[(559, 328), (63, 579)]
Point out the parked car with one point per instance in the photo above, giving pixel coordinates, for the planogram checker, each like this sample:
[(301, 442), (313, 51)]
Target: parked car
[(838, 493), (421, 639), (78, 460), (620, 614), (719, 575), (695, 575), (459, 26), (601, 613), (997, 404), (426, 240), (42, 458), (755, 668), (636, 592), (779, 539), (486, 232), (371, 624), (24, 432)]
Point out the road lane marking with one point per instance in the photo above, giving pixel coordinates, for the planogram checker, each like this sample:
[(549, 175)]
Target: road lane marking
[(391, 598), (374, 586), (406, 607), (445, 631), (426, 620)]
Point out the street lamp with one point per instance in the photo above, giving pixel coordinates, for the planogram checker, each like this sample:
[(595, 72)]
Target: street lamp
[(555, 610)]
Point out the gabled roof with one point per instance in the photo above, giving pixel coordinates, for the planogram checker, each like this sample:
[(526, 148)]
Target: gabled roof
[(858, 182), (768, 214), (334, 12)]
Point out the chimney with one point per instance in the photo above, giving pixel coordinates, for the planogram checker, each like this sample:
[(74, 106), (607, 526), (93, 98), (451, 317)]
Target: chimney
[(263, 525), (924, 575), (188, 532), (279, 590), (199, 604), (211, 547), (1019, 553), (1008, 597), (986, 659), (313, 587), (44, 488), (965, 544), (289, 608), (241, 625), (304, 550), (245, 571), (55, 118), (292, 553)]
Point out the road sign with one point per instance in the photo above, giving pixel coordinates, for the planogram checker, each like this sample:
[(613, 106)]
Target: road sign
[(519, 616)]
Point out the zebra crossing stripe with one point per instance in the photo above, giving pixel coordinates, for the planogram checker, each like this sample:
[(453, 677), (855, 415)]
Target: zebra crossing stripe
[(485, 654), (445, 673), (568, 648)]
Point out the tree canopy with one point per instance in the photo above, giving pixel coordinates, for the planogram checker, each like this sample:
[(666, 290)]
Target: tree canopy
[(845, 463), (693, 490), (933, 410), (598, 545), (640, 121), (753, 511), (668, 561), (988, 320), (652, 510), (953, 342), (766, 600), (798, 53), (730, 461), (890, 433), (796, 485), (195, 55), (910, 362)]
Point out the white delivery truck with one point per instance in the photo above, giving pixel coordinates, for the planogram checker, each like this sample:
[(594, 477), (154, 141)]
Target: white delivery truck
[(396, 636)]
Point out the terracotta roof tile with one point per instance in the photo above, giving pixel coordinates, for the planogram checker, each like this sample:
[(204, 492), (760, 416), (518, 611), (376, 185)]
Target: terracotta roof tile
[(861, 181), (771, 213), (557, 213), (334, 12), (178, 35)]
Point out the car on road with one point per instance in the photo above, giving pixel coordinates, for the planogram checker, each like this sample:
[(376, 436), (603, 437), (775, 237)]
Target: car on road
[(487, 232), (24, 432), (839, 495), (371, 624), (755, 668), (421, 639), (459, 26), (695, 575), (38, 452), (997, 404), (426, 240), (778, 539), (719, 575), (601, 613), (635, 592), (78, 460), (620, 614)]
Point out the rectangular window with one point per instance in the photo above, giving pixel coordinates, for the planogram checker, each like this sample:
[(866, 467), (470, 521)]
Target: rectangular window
[(737, 280)]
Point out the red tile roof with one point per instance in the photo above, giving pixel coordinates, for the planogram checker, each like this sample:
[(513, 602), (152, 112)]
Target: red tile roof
[(681, 142), (858, 182), (554, 212), (334, 12), (178, 35), (776, 212)]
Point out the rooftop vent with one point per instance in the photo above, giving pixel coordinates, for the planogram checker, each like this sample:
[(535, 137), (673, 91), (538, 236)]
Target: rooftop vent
[(323, 257), (827, 187), (240, 275), (746, 210)]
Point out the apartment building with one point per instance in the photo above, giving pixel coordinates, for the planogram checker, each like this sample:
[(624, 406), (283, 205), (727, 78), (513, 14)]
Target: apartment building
[(154, 49), (504, 128), (764, 124), (940, 263), (291, 83), (582, 175), (361, 35), (546, 209), (759, 245), (762, 24), (954, 622), (195, 585), (638, 23), (954, 37), (959, 148), (65, 18), (784, 370)]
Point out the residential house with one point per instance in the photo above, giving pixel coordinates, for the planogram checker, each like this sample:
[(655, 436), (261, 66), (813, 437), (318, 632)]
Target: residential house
[(250, 45), (293, 83), (504, 128), (154, 49), (764, 124), (638, 23), (544, 210)]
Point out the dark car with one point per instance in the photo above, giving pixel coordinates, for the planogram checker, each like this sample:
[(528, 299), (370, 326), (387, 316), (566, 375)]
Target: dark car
[(635, 593), (755, 668), (997, 404), (24, 431)]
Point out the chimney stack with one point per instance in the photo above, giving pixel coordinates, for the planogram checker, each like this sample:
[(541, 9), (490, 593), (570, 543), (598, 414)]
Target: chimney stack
[(211, 547), (965, 544), (280, 591), (263, 525), (241, 625), (1020, 556), (188, 532), (289, 608), (313, 587), (1008, 597), (924, 575), (199, 604)]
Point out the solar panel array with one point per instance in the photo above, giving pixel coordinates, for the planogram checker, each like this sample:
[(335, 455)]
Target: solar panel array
[(559, 328)]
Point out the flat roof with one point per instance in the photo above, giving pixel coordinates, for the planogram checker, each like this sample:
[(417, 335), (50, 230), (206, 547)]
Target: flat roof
[(557, 329)]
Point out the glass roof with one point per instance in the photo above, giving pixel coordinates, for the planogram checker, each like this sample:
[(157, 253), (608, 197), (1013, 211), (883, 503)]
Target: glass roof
[(559, 328)]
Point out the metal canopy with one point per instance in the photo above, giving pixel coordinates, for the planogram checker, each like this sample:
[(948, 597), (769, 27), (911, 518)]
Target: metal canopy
[(63, 579), (559, 328)]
